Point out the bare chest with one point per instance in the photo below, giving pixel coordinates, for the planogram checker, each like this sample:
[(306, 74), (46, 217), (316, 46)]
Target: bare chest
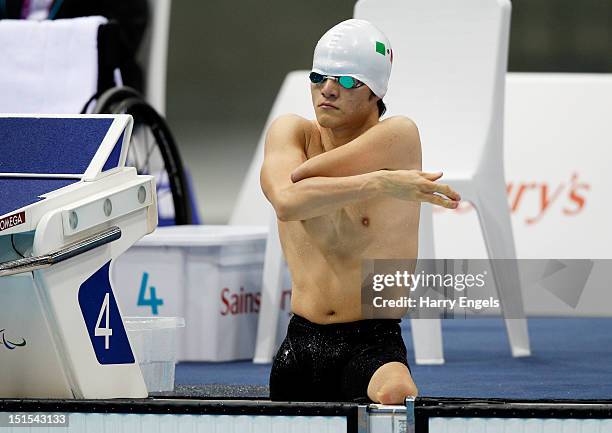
[(356, 228), (349, 228)]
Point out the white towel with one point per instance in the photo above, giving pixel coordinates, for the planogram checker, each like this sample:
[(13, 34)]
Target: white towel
[(48, 66)]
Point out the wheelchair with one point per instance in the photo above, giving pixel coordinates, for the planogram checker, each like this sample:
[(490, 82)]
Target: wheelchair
[(153, 151), (153, 148)]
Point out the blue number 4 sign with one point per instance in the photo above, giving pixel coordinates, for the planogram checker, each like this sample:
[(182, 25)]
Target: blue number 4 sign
[(153, 301)]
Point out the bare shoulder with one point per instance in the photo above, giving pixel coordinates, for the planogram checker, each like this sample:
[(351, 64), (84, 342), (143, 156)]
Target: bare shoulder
[(406, 141), (288, 128), (402, 125), (290, 121)]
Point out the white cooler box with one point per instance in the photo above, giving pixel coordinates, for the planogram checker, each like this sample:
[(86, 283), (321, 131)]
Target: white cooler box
[(211, 276)]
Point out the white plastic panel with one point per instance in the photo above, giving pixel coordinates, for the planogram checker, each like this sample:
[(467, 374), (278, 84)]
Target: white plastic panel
[(154, 423), (518, 425), (106, 207)]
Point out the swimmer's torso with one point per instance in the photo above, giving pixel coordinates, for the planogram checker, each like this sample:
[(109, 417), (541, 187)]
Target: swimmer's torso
[(324, 253)]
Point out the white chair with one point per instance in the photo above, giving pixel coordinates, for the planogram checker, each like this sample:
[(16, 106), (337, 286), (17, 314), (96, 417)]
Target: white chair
[(448, 75), (450, 61)]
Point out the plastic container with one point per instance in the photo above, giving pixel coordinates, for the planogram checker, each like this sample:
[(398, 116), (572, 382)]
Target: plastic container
[(211, 276), (154, 342)]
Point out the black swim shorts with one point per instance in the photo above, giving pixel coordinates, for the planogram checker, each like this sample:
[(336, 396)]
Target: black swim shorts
[(333, 362)]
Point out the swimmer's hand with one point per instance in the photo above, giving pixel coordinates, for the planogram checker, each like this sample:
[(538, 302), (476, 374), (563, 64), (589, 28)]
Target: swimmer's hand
[(415, 185)]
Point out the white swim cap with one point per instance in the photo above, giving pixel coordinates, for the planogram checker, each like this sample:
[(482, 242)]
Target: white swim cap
[(356, 48)]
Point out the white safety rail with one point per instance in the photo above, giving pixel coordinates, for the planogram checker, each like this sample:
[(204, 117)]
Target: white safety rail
[(170, 423), (254, 416), (513, 425)]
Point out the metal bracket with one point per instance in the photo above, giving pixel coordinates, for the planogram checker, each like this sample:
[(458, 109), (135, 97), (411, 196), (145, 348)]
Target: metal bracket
[(410, 418), (362, 419), (30, 264)]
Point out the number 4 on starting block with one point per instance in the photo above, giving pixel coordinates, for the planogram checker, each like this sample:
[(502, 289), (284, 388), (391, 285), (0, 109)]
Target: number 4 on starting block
[(103, 320), (105, 332)]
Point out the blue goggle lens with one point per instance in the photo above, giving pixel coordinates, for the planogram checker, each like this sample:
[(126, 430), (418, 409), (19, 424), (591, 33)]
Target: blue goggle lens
[(345, 81)]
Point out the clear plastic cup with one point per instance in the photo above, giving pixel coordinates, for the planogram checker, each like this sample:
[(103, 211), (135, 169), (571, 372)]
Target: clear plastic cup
[(153, 342)]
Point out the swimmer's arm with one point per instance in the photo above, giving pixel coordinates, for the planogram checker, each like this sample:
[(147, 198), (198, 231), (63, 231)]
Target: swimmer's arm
[(312, 197), (392, 144), (317, 196)]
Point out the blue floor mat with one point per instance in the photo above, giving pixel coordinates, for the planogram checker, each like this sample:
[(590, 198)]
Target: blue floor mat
[(571, 359)]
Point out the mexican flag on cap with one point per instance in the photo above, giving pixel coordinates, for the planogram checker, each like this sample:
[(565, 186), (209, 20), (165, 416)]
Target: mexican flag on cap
[(381, 49)]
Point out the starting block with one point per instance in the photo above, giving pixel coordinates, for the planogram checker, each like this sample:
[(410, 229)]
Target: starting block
[(68, 207)]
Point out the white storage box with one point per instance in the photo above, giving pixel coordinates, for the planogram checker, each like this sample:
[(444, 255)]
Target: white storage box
[(211, 275), (154, 341)]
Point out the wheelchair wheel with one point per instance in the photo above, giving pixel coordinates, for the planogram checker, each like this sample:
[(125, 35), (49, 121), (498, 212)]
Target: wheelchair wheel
[(152, 151)]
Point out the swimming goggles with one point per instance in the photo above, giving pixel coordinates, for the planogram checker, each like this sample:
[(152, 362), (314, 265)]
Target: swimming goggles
[(344, 80)]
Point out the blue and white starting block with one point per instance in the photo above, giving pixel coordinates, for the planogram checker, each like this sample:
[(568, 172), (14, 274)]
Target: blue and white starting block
[(68, 207)]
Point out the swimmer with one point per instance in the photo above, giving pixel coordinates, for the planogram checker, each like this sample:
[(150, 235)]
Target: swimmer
[(345, 187)]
